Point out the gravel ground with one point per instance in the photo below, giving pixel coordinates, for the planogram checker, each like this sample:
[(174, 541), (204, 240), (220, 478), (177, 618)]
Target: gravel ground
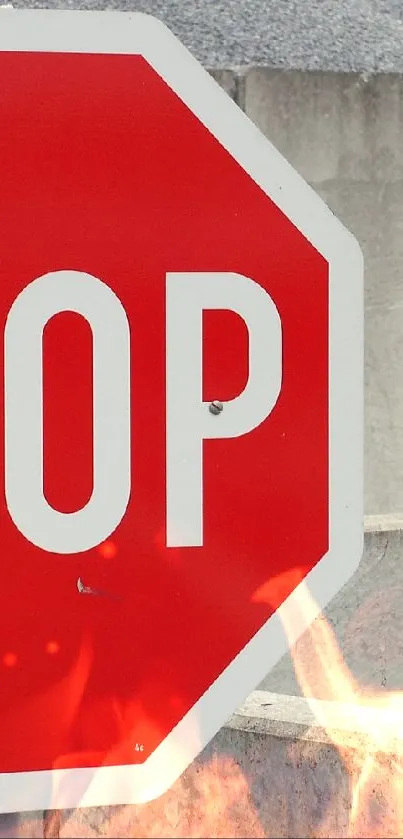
[(360, 35)]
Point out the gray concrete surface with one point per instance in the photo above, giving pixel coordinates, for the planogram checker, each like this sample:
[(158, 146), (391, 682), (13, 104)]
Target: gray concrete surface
[(281, 767), (367, 619), (343, 134), (360, 35)]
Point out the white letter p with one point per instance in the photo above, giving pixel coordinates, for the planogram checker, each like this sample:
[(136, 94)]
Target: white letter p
[(189, 420)]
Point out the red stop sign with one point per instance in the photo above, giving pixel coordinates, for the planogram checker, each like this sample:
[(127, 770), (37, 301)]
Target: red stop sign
[(157, 254)]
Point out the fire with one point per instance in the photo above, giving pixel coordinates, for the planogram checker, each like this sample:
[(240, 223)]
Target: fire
[(210, 799), (214, 797), (375, 762)]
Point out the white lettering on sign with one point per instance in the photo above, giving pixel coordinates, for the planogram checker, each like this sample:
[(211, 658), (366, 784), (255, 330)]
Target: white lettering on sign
[(189, 421), (40, 523)]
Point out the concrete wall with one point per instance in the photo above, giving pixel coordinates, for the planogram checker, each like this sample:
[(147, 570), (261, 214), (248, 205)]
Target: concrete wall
[(343, 133)]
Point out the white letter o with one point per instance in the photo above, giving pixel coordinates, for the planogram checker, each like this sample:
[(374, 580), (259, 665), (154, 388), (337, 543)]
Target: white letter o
[(40, 523)]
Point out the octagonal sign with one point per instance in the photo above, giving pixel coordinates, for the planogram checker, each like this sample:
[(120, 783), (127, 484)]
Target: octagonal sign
[(158, 255)]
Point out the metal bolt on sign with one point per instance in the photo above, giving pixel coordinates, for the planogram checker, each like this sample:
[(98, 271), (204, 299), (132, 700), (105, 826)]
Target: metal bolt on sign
[(216, 407)]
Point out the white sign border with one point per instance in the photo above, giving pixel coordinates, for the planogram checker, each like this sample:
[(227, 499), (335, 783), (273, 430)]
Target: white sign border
[(135, 33)]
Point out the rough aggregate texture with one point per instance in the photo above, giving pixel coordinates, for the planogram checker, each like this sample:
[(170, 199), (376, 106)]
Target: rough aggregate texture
[(344, 35)]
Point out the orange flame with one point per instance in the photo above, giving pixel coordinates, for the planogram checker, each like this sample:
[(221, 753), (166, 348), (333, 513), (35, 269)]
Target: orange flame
[(50, 714), (208, 800), (374, 763), (213, 798)]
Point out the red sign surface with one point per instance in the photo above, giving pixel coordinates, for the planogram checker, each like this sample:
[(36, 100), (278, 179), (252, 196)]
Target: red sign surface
[(107, 172)]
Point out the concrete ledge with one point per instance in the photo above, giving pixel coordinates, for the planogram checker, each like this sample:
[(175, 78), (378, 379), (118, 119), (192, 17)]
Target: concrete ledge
[(317, 720), (383, 524)]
